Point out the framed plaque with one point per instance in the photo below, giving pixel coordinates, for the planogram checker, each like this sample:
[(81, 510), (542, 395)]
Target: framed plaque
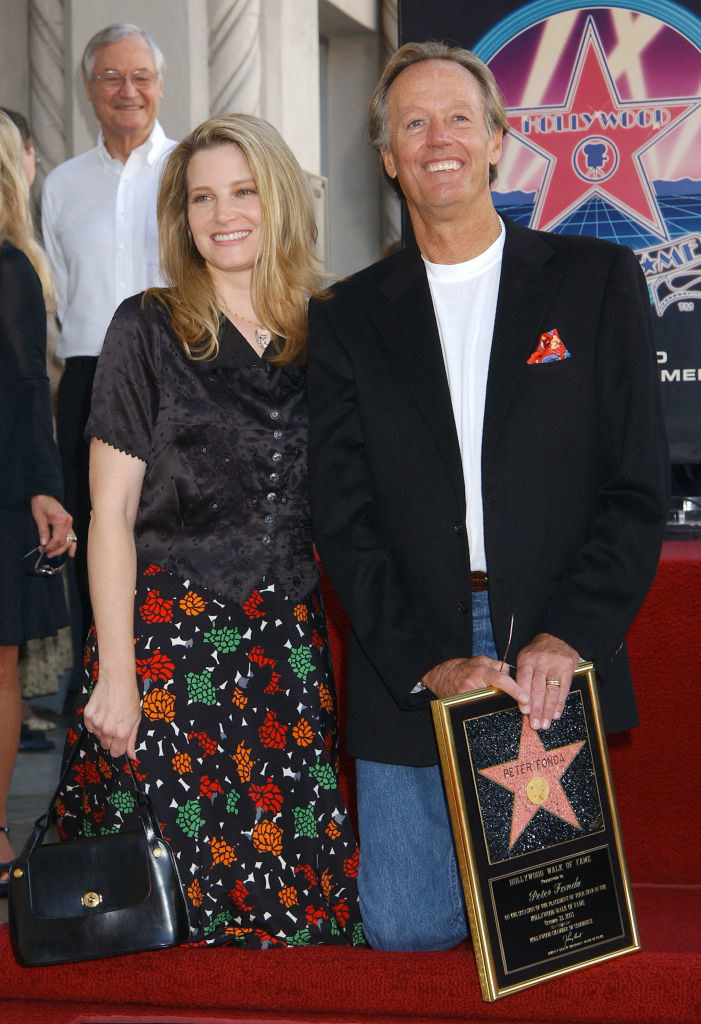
[(537, 836)]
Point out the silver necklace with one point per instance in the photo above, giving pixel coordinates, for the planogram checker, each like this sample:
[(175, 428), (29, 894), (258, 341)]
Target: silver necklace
[(262, 333)]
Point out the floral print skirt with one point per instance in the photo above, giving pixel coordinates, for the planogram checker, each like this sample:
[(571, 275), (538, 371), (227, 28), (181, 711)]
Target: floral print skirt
[(237, 750)]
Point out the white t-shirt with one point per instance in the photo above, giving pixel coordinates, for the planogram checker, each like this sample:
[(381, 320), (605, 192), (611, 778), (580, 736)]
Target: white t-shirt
[(465, 300), (101, 235)]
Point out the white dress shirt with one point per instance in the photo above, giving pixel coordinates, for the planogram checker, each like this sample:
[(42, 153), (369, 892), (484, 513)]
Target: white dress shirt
[(465, 300), (101, 236)]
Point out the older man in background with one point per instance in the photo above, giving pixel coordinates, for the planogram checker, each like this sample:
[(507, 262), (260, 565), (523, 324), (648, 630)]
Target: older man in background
[(99, 226)]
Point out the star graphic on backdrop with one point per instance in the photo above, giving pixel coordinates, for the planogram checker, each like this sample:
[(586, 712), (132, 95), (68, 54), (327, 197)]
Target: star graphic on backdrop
[(534, 779), (602, 156)]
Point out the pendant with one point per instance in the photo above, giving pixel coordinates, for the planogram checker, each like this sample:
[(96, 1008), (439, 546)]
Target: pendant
[(262, 337)]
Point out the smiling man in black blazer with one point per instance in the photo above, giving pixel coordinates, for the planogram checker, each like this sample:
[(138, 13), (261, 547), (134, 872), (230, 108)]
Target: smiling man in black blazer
[(486, 440)]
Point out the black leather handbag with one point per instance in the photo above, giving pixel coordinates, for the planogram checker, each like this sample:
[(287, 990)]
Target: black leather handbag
[(88, 898)]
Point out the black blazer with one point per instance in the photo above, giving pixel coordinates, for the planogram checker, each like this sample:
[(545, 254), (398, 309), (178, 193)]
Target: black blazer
[(574, 475)]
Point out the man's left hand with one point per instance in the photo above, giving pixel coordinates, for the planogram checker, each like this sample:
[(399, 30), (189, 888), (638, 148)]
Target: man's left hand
[(544, 671)]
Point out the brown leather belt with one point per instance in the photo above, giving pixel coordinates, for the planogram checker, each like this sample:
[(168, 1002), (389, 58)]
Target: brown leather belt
[(480, 581)]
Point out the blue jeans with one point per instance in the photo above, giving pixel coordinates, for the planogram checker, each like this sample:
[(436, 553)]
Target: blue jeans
[(411, 895)]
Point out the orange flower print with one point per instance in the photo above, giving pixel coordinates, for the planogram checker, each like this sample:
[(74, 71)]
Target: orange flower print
[(182, 763), (192, 603), (239, 699), (302, 733), (194, 892), (267, 837), (325, 698), (158, 704), (251, 606), (272, 733), (105, 767), (244, 764), (222, 853), (157, 667), (325, 882), (332, 830), (301, 612), (155, 608), (350, 865), (288, 896), (268, 797)]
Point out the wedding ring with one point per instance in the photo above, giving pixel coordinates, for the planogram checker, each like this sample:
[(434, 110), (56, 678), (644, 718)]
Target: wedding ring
[(71, 538), (552, 682)]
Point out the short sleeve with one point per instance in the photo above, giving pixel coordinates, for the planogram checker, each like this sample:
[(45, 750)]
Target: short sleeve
[(126, 392)]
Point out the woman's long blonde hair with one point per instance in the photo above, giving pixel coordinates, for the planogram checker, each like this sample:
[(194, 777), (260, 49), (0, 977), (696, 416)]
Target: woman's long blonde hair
[(15, 215), (286, 271)]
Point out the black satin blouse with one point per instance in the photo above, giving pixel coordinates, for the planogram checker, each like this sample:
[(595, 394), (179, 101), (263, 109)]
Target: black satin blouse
[(224, 500)]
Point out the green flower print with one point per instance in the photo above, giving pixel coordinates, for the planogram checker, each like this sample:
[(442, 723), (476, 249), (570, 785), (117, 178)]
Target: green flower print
[(300, 660), (305, 822), (190, 819), (224, 640), (200, 689), (300, 938), (222, 918), (123, 801), (324, 775), (232, 800)]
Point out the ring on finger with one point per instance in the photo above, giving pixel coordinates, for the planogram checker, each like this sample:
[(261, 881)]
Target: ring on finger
[(553, 682)]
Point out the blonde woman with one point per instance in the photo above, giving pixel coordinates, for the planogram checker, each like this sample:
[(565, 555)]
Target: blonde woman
[(215, 677), (34, 526)]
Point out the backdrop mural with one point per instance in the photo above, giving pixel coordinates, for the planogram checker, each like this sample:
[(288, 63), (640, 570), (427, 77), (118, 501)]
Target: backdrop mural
[(604, 107)]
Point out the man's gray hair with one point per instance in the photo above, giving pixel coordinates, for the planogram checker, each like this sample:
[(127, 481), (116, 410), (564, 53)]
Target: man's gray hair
[(113, 34), (415, 53)]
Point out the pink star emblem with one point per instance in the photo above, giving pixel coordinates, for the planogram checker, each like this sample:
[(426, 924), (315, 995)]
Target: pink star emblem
[(534, 779), (593, 143)]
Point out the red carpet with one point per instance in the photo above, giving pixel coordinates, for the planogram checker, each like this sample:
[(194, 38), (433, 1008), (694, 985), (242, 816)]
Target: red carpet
[(656, 777)]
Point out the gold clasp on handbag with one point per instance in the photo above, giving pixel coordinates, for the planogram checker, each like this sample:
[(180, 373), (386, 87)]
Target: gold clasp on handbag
[(91, 899)]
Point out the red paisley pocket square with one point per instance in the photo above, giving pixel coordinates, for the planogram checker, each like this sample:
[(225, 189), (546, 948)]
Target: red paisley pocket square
[(549, 349)]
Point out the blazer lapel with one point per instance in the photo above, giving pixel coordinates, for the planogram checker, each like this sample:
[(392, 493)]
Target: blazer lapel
[(407, 325), (525, 288)]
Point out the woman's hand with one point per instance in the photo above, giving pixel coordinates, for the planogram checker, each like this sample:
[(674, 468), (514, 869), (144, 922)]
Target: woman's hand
[(113, 715), (54, 526)]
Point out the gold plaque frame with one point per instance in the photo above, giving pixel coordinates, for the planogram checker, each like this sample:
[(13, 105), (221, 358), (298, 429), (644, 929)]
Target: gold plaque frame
[(537, 836)]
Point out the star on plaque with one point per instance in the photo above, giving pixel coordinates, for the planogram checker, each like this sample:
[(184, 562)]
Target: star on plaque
[(534, 779)]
